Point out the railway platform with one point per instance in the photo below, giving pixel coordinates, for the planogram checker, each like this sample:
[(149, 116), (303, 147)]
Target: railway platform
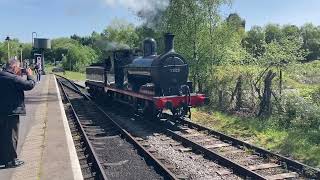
[(45, 142)]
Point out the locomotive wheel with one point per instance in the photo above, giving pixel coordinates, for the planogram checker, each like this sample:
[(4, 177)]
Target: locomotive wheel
[(149, 111), (182, 112)]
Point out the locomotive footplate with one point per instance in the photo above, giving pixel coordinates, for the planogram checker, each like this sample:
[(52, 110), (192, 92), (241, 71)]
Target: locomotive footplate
[(168, 102)]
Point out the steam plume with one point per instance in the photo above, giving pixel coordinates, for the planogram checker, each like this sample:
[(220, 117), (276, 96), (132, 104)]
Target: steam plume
[(146, 9)]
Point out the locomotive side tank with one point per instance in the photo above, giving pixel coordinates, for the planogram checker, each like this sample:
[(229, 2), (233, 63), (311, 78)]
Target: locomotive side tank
[(168, 71)]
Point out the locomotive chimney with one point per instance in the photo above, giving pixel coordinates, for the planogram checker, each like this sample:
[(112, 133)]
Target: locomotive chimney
[(168, 42)]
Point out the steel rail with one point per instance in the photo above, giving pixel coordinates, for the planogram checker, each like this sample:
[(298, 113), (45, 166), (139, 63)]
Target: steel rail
[(151, 159), (96, 163), (239, 169), (293, 165)]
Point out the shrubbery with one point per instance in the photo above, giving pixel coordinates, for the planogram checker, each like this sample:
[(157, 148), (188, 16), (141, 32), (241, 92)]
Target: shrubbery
[(300, 113), (297, 107)]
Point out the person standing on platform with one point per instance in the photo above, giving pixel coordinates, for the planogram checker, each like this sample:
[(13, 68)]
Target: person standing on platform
[(38, 71), (12, 87)]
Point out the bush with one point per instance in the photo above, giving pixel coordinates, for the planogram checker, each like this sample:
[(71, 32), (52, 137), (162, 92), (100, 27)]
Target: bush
[(300, 113), (58, 69), (222, 81), (315, 96)]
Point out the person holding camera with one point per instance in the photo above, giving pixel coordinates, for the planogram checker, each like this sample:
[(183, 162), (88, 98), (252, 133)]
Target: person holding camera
[(11, 107)]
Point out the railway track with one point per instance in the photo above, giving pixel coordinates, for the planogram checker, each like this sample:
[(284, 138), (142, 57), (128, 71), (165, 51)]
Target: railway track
[(180, 160), (90, 165), (242, 158), (105, 150)]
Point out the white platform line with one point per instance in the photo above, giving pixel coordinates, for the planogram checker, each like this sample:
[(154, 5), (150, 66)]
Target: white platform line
[(75, 164)]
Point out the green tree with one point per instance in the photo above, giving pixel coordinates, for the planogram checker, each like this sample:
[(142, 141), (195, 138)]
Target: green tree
[(311, 40), (194, 23), (26, 52), (121, 34), (291, 32), (74, 55), (254, 42), (235, 21), (273, 33)]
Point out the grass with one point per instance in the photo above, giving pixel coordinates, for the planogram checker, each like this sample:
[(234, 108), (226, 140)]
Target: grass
[(297, 144), (77, 76)]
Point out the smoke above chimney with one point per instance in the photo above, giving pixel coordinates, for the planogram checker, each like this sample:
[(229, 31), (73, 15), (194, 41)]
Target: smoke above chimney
[(147, 10), (138, 5)]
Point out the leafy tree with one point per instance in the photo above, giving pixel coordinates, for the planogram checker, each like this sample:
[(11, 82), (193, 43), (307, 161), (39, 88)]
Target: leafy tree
[(121, 34), (193, 23), (291, 32), (273, 33), (15, 49), (284, 52), (85, 41), (78, 57), (26, 52), (280, 55), (254, 42), (74, 55), (311, 41), (2, 52), (236, 21)]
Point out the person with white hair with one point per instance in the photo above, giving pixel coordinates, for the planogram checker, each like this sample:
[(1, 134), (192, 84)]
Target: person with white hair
[(12, 87)]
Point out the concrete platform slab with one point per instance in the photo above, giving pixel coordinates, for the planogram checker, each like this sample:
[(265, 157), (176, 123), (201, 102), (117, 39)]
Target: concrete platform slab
[(45, 142)]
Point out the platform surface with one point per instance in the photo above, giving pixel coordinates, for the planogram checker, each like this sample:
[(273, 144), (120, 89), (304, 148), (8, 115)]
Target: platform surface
[(45, 142)]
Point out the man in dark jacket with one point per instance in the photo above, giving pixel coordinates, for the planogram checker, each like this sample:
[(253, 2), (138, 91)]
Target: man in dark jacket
[(12, 87)]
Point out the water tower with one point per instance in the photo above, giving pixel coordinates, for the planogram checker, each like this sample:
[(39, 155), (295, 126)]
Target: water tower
[(41, 44)]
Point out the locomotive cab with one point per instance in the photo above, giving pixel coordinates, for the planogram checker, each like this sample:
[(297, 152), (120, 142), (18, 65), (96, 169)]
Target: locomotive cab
[(115, 63)]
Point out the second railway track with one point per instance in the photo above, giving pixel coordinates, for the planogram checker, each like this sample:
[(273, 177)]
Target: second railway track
[(190, 151)]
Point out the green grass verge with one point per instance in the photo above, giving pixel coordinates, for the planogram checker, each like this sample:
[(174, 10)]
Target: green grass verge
[(301, 145), (76, 76)]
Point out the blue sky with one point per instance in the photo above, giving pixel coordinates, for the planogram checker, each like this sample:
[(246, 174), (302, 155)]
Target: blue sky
[(57, 18)]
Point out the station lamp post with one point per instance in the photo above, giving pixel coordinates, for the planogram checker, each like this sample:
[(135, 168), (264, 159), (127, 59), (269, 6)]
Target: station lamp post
[(21, 53), (8, 39)]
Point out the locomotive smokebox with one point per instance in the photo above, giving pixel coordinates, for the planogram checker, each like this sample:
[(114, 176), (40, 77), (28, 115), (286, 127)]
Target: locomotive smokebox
[(169, 42)]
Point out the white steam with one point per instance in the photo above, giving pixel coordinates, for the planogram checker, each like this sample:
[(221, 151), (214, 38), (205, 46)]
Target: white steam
[(140, 5), (147, 10)]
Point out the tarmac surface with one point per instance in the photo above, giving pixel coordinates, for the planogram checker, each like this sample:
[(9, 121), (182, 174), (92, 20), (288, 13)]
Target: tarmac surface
[(45, 142)]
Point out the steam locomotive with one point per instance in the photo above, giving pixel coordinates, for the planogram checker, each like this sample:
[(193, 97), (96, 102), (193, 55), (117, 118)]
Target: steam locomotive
[(152, 84)]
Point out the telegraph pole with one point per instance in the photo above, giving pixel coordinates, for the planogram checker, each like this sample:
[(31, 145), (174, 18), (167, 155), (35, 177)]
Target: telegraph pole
[(21, 55)]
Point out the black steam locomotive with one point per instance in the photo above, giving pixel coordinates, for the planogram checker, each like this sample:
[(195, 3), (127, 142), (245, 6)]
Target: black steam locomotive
[(151, 83)]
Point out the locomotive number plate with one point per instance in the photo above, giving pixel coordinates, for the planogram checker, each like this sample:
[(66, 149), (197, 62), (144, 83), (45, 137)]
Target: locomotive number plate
[(175, 70)]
